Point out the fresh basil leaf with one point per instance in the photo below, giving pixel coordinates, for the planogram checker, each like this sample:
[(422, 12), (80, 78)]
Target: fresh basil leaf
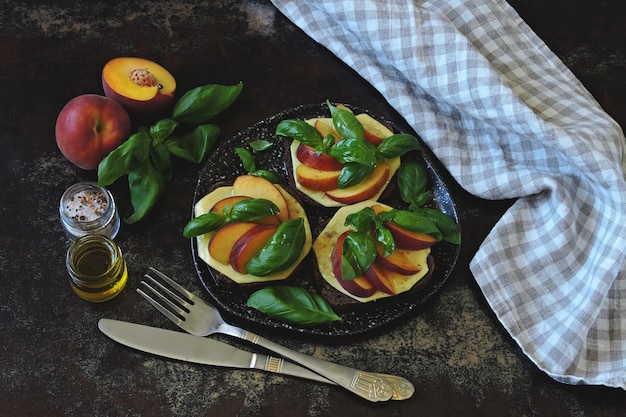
[(397, 145), (162, 160), (412, 180), (352, 174), (363, 247), (201, 104), (260, 145), (346, 124), (365, 220), (420, 199), (349, 267), (300, 131), (354, 150), (384, 237), (412, 221), (247, 159), (162, 129), (146, 185), (361, 220), (250, 209), (293, 305), (194, 145), (327, 143), (268, 175), (127, 157), (450, 230), (281, 251), (205, 223)]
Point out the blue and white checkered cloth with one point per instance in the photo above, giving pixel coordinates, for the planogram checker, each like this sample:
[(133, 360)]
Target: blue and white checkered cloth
[(508, 120)]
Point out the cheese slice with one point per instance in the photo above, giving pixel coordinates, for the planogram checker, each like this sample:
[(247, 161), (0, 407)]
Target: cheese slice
[(205, 204), (325, 242)]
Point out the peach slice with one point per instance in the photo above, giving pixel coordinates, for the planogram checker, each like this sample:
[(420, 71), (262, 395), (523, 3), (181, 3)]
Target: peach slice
[(315, 179), (397, 261), (360, 286), (375, 131), (378, 278), (229, 201), (308, 156), (258, 187), (406, 239), (365, 189), (249, 245), (222, 242), (142, 86), (325, 127)]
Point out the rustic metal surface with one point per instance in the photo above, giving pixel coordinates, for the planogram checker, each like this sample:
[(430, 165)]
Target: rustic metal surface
[(53, 359)]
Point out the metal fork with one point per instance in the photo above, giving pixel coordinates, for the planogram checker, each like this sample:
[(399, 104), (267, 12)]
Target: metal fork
[(197, 317)]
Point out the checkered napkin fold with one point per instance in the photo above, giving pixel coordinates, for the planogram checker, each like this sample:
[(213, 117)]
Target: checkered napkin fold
[(508, 120)]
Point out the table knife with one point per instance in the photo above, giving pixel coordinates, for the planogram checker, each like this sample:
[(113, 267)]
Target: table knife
[(196, 349)]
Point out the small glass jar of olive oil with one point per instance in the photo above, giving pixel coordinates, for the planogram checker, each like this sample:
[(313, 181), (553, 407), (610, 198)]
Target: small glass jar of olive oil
[(96, 267)]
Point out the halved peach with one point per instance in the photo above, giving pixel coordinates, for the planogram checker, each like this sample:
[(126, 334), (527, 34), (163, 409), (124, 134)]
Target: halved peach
[(365, 189), (360, 286), (249, 245), (315, 179), (141, 86), (309, 156), (229, 201), (397, 261), (258, 187), (222, 242)]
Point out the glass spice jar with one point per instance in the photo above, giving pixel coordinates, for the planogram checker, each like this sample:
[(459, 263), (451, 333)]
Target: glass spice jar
[(86, 208), (96, 267)]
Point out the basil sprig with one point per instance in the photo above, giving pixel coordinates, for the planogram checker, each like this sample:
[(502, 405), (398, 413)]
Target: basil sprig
[(249, 164), (412, 183), (450, 230), (359, 247), (345, 123), (358, 156), (358, 254), (293, 305), (281, 251), (412, 221), (146, 155), (303, 132), (247, 210)]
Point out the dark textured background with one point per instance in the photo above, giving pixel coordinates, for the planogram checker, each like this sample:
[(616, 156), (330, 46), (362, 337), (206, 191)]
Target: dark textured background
[(54, 361)]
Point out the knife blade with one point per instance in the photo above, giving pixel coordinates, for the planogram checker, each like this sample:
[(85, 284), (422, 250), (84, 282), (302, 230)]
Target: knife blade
[(189, 348)]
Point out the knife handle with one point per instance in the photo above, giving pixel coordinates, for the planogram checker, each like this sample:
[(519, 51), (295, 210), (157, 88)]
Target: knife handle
[(367, 385), (283, 367), (402, 388)]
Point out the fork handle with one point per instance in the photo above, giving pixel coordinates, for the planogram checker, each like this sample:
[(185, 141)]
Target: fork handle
[(368, 385)]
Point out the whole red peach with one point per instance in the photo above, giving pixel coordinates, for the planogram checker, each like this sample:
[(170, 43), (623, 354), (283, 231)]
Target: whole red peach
[(89, 127)]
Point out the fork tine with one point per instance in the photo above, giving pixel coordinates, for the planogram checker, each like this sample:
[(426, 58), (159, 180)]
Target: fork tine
[(181, 305), (190, 296), (167, 313)]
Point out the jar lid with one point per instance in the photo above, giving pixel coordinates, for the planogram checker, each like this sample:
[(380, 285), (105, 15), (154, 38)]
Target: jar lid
[(86, 208)]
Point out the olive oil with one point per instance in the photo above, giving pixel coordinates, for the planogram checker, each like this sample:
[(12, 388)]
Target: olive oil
[(96, 268)]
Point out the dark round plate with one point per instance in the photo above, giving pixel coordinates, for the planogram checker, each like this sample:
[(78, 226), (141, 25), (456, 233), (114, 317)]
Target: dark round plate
[(224, 166)]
